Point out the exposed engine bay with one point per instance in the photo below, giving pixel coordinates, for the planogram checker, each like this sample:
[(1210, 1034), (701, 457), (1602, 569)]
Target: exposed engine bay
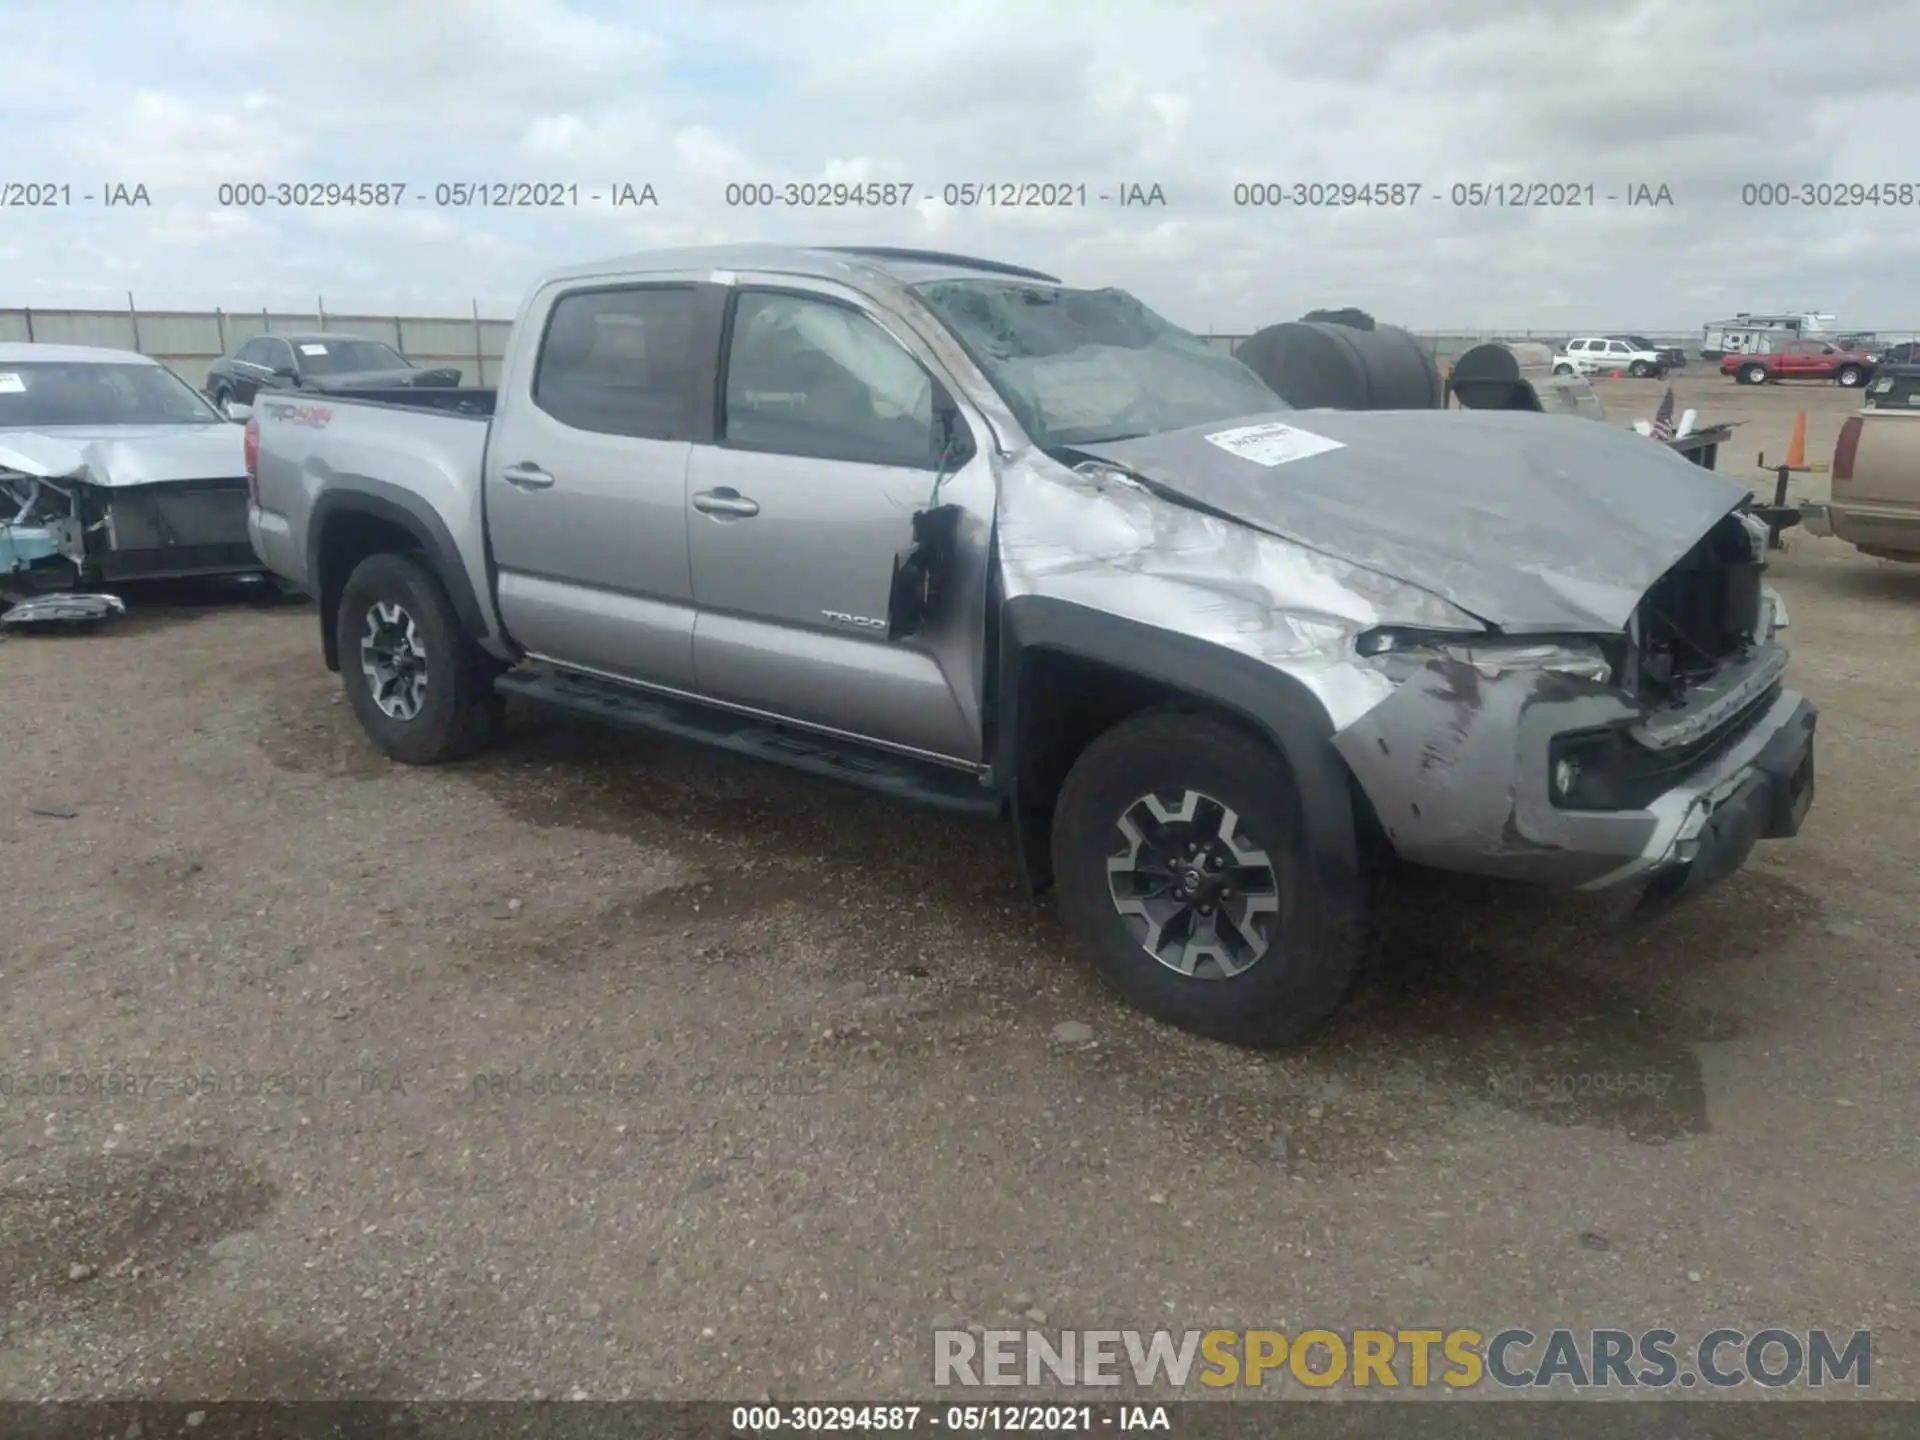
[(1703, 612), (62, 527)]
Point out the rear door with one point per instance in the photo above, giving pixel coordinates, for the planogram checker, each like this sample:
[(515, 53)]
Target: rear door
[(586, 470), (827, 445)]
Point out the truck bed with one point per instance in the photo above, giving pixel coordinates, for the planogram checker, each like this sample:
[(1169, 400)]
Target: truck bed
[(458, 400)]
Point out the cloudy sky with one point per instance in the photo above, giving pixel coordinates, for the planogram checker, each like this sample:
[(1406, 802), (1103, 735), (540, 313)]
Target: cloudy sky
[(1703, 97)]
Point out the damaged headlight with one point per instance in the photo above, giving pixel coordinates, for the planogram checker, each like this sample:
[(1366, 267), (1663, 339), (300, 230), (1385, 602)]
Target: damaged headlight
[(1400, 652)]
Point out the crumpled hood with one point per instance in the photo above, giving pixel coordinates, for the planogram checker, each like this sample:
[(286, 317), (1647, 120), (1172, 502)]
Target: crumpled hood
[(118, 455), (1530, 522)]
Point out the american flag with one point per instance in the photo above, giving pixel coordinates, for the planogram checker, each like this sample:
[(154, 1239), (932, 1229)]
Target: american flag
[(1663, 417)]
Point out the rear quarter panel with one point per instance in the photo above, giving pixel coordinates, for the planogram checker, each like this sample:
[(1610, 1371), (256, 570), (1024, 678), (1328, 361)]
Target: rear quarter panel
[(320, 452)]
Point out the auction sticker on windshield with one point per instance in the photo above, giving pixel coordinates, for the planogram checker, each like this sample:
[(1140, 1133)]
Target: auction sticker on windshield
[(12, 385), (1272, 444), (313, 349)]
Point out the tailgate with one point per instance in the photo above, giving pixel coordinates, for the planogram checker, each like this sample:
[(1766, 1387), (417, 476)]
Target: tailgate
[(1886, 458)]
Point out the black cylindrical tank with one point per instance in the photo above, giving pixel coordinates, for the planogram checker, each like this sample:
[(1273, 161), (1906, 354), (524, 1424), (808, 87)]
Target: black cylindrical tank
[(1488, 377), (1315, 365)]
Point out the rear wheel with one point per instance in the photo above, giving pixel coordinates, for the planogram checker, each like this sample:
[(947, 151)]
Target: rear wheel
[(1180, 857), (1563, 369), (1753, 374), (422, 690)]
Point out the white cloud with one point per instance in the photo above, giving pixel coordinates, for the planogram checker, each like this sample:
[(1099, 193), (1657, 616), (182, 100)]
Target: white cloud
[(185, 95)]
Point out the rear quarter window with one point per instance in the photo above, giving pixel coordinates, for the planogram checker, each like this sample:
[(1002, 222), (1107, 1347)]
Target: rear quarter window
[(620, 361)]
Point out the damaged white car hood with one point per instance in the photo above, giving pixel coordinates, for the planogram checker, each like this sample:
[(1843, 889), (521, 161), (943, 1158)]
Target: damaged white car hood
[(1529, 522), (122, 455)]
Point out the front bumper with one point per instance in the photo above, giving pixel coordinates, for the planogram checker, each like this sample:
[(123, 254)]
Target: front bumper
[(1767, 799), (1456, 765)]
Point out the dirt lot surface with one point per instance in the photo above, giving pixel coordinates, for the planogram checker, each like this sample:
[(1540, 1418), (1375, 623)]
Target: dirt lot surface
[(814, 1098)]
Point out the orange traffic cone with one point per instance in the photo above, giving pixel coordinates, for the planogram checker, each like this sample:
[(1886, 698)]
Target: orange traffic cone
[(1616, 375), (1797, 447)]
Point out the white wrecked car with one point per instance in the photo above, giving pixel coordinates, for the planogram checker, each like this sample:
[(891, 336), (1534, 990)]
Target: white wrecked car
[(113, 468)]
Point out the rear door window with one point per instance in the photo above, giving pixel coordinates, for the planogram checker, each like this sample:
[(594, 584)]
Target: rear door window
[(620, 361)]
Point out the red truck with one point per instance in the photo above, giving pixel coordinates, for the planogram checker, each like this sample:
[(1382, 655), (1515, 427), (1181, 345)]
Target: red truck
[(1802, 360)]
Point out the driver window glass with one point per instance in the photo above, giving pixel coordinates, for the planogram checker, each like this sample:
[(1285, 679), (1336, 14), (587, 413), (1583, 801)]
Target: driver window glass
[(809, 377)]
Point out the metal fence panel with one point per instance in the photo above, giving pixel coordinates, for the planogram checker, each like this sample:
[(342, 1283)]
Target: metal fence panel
[(190, 341)]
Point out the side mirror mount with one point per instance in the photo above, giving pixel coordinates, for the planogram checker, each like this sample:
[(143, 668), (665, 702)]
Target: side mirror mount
[(952, 440)]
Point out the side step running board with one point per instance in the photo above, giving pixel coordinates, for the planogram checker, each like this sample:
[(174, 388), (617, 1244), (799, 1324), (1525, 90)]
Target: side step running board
[(896, 776)]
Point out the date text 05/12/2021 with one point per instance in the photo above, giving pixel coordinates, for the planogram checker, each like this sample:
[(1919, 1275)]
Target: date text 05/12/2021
[(438, 195)]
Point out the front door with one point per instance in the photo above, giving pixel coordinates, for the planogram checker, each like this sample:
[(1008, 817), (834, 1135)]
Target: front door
[(1796, 360), (828, 444), (586, 471)]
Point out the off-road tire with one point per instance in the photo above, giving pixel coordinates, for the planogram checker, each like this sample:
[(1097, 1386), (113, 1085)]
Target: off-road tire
[(460, 713), (1313, 959)]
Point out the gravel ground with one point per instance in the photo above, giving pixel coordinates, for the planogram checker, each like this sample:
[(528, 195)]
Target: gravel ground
[(819, 1094)]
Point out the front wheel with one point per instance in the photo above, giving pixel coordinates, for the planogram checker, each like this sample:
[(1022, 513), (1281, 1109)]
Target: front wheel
[(1850, 376), (421, 688), (1753, 374), (1180, 854), (1640, 369)]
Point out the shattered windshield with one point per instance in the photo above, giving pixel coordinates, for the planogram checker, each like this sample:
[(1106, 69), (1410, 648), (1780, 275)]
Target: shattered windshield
[(40, 395), (1078, 367)]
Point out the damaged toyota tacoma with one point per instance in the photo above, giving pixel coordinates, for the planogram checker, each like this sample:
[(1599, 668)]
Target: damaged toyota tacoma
[(954, 531), (113, 468)]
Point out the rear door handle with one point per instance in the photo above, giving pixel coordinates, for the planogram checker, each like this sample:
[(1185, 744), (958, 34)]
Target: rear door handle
[(526, 477), (726, 501)]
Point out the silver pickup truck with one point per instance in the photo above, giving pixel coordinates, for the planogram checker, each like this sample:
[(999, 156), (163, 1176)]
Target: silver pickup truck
[(958, 532)]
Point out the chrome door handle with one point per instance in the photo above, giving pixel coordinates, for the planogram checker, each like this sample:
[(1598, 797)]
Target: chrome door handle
[(526, 477), (725, 501)]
